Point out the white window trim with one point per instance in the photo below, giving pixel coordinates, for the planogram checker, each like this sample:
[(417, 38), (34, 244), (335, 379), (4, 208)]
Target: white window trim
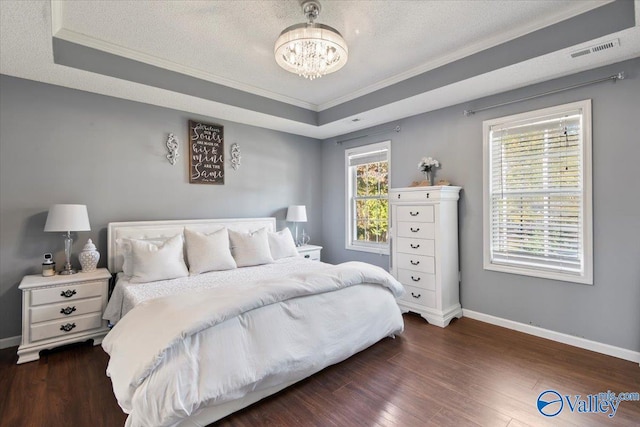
[(377, 248), (586, 277)]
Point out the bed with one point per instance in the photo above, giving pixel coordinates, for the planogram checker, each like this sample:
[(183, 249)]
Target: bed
[(190, 350)]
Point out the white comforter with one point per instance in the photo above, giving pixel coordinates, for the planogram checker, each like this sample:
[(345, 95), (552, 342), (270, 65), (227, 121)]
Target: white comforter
[(127, 295), (170, 356)]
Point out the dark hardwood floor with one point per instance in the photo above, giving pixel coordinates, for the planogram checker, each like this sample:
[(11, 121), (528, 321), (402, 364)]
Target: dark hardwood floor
[(470, 373)]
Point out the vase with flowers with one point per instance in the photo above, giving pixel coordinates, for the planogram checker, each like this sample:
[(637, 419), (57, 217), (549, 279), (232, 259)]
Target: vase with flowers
[(427, 166)]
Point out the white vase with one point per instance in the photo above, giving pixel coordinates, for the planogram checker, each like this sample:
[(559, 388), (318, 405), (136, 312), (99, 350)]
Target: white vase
[(89, 257)]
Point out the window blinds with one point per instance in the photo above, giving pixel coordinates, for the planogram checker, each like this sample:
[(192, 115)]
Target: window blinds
[(370, 157), (536, 194)]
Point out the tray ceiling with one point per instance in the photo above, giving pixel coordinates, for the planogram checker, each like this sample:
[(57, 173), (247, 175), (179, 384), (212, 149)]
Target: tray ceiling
[(229, 44)]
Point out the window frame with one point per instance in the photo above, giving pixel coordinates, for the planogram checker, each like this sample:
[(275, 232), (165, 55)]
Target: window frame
[(350, 243), (585, 276)]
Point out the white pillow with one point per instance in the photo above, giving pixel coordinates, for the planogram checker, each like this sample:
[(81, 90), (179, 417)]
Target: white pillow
[(282, 244), (151, 262), (124, 248), (250, 248), (208, 252)]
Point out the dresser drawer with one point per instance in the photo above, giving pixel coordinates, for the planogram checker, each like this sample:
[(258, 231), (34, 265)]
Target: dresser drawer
[(419, 279), (415, 213), (416, 246), (56, 328), (73, 290), (419, 296), (423, 263), (416, 230), (59, 311)]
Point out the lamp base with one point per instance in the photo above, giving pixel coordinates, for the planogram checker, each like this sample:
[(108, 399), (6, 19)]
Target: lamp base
[(67, 270)]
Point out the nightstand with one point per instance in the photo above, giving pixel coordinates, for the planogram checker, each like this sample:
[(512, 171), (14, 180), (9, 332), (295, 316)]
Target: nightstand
[(59, 310), (311, 252)]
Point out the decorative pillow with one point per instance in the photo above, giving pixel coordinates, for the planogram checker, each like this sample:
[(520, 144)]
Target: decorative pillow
[(151, 262), (208, 252), (282, 244), (124, 247), (250, 248)]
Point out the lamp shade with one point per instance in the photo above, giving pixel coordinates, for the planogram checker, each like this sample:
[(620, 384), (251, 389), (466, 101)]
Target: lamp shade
[(297, 213), (67, 218)]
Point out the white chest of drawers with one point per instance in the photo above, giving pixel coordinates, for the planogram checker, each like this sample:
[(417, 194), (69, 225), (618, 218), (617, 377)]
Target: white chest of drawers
[(61, 309), (424, 250)]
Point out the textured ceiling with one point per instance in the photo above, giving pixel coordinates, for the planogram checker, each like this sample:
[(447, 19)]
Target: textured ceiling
[(231, 43), (233, 40)]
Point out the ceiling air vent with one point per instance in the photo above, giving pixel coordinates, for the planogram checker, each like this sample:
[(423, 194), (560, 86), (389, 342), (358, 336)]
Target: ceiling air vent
[(597, 48)]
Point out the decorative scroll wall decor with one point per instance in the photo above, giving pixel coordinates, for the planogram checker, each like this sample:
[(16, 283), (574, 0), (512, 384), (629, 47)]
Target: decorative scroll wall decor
[(235, 156), (206, 153), (172, 146)]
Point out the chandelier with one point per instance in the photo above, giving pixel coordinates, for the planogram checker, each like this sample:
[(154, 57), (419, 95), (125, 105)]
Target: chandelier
[(311, 50)]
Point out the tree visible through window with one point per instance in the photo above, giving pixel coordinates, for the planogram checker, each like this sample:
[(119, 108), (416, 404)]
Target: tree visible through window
[(371, 199), (368, 200)]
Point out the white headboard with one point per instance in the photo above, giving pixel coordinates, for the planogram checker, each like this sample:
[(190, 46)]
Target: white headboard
[(149, 230)]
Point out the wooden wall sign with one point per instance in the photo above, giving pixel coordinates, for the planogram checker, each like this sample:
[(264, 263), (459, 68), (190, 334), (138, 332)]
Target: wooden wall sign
[(206, 153)]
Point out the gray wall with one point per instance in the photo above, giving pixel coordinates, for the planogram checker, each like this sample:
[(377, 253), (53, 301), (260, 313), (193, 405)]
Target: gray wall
[(64, 146), (606, 312), (59, 145)]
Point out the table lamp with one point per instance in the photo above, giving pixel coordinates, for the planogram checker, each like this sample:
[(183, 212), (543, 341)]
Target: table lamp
[(67, 218), (296, 214)]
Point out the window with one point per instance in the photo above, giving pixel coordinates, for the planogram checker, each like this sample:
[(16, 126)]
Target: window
[(537, 193), (368, 197)]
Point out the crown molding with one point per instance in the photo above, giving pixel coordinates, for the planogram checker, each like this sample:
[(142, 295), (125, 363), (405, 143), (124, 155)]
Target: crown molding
[(62, 33), (579, 8)]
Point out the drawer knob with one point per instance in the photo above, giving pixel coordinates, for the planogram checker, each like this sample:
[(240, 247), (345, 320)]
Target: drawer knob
[(414, 246), (307, 256), (67, 327), (414, 230), (414, 262), (414, 213), (68, 293), (416, 296), (414, 279), (67, 311)]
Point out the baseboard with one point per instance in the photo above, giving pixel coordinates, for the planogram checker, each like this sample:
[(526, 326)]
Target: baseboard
[(610, 350), (10, 342)]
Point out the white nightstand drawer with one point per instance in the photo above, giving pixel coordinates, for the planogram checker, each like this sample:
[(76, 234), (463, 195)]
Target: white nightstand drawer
[(311, 252), (418, 279), (416, 230), (71, 291), (419, 296), (416, 246), (65, 309), (415, 213), (67, 326), (422, 263), (313, 255)]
